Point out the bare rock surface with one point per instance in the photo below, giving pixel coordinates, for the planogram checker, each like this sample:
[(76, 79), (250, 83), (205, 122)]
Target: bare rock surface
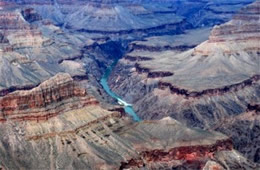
[(52, 97), (244, 127), (54, 113), (201, 86), (59, 125)]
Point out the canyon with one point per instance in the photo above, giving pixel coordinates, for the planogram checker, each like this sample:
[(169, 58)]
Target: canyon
[(70, 129), (120, 84), (199, 86)]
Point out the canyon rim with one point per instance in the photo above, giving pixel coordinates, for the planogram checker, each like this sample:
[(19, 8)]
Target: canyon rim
[(130, 84)]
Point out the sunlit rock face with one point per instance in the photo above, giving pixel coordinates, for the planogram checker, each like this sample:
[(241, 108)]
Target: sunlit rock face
[(198, 86), (52, 97), (59, 125), (240, 34), (54, 114), (94, 138)]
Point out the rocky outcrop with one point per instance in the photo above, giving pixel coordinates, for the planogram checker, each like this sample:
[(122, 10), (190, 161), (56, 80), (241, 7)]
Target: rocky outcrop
[(218, 91), (120, 17), (212, 71), (31, 52), (216, 80), (244, 127), (11, 21), (94, 138), (196, 108), (152, 74), (54, 122), (17, 32), (52, 97), (242, 30), (191, 154), (69, 128)]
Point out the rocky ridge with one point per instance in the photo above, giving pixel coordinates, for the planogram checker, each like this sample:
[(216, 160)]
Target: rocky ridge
[(51, 120), (69, 127), (215, 80), (92, 138), (245, 127), (54, 96)]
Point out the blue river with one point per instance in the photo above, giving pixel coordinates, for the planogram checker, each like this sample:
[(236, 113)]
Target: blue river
[(128, 107)]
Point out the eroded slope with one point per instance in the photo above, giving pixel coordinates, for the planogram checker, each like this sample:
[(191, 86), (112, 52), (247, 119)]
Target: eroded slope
[(201, 86)]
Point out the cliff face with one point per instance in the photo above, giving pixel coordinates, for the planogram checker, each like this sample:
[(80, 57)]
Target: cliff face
[(244, 127), (34, 40), (242, 31), (11, 20), (51, 120), (94, 138), (59, 125), (195, 157), (52, 97), (201, 86), (31, 50)]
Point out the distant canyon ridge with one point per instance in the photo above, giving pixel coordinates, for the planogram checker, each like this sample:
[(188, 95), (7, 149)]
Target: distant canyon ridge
[(190, 69)]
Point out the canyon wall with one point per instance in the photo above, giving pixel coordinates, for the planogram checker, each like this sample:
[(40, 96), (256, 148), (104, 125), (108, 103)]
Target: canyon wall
[(52, 97), (215, 81), (54, 113)]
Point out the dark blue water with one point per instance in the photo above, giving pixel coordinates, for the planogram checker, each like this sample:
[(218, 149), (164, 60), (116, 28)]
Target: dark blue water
[(128, 107)]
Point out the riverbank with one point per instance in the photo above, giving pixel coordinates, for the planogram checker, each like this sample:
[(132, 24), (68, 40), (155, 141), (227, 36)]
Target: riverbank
[(127, 107)]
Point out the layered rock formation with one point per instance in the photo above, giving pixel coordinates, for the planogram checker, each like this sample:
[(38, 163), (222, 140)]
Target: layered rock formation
[(118, 18), (22, 48), (93, 138), (30, 39), (60, 120), (35, 50), (244, 127), (52, 97), (51, 120), (58, 125), (209, 83), (125, 17)]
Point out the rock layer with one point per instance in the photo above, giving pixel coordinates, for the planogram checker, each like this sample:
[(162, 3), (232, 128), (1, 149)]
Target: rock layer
[(54, 122), (92, 138), (244, 127), (70, 129), (214, 81), (191, 154), (52, 97)]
